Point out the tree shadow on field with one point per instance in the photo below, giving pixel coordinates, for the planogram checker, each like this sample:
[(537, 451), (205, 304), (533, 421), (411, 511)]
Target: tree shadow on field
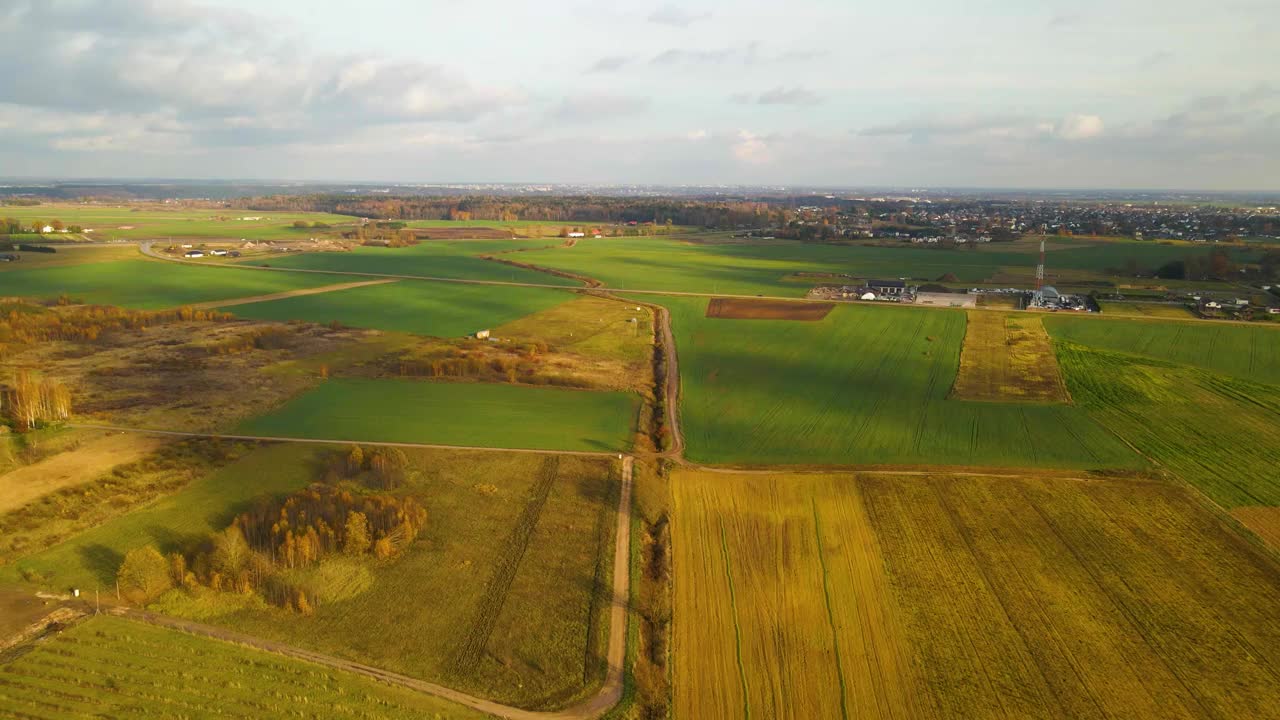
[(103, 561)]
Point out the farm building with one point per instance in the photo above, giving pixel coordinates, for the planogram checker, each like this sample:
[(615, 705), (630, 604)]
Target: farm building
[(482, 334), (194, 254), (218, 253), (887, 288)]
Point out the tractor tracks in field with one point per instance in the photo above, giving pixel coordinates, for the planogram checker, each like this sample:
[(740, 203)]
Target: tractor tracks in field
[(608, 695)]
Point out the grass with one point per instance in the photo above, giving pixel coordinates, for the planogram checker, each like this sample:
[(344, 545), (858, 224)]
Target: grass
[(608, 340), (434, 258), (1220, 433), (1145, 309), (499, 596), (173, 522), (1249, 352), (1007, 358), (861, 597), (469, 414), (108, 667), (659, 263), (865, 385), (423, 308), (158, 222), (147, 285), (68, 255)]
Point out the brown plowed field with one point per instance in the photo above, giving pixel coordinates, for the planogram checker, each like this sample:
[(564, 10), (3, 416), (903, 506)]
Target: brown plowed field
[(740, 309)]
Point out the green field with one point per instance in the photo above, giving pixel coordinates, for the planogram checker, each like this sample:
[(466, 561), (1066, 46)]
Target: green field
[(1250, 352), (149, 284), (153, 222), (108, 667), (866, 385), (433, 258), (171, 523), (1219, 433), (439, 309), (500, 595), (468, 414), (764, 267)]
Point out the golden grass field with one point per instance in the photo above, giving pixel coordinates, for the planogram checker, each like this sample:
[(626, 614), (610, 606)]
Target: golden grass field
[(1007, 358), (843, 596), (1263, 521)]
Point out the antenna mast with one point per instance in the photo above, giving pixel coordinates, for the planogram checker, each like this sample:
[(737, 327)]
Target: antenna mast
[(1040, 269)]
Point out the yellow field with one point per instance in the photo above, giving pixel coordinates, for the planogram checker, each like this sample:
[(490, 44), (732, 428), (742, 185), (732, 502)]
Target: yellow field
[(1007, 358), (1264, 521), (1144, 309), (839, 596)]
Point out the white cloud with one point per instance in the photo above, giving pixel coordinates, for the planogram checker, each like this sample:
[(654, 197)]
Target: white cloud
[(1079, 127), (750, 148), (675, 17)]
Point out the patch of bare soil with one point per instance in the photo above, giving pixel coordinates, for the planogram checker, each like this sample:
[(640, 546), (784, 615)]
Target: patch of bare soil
[(82, 464), (746, 309)]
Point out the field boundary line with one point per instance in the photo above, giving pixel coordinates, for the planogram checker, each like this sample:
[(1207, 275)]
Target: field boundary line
[(606, 697), (831, 618), (332, 441), (737, 627), (212, 304)]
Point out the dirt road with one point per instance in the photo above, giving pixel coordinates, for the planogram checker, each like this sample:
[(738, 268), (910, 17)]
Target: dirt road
[(288, 294), (91, 459), (327, 441)]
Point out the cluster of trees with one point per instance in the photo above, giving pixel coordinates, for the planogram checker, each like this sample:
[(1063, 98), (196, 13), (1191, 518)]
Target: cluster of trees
[(25, 323), (31, 401), (1217, 264), (708, 213), (256, 552), (14, 226)]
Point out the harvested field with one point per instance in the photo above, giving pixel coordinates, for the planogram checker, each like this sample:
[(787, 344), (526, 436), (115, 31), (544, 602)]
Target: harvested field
[(1263, 521), (739, 309), (1007, 358), (867, 596), (79, 465)]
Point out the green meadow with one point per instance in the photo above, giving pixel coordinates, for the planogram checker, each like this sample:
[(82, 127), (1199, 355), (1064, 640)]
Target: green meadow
[(171, 523), (446, 413), (440, 309), (1251, 352), (433, 258), (864, 386), (109, 667), (160, 223), (150, 284), (768, 267)]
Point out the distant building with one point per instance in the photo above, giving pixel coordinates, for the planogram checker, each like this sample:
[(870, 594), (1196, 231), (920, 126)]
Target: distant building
[(887, 288), (577, 234), (482, 334), (194, 254), (46, 229), (218, 253)]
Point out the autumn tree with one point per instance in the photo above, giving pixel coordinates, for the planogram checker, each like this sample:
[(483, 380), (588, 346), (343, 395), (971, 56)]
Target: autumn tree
[(143, 575), (357, 534)]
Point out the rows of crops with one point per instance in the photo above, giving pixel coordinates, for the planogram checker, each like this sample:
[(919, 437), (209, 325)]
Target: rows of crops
[(1221, 434), (838, 596), (424, 308), (865, 385), (1251, 352), (106, 667)]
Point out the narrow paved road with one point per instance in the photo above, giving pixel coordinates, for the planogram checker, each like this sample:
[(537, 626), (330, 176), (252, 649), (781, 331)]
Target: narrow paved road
[(609, 694)]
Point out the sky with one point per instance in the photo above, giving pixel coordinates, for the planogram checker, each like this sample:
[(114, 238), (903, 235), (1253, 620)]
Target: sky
[(843, 93)]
